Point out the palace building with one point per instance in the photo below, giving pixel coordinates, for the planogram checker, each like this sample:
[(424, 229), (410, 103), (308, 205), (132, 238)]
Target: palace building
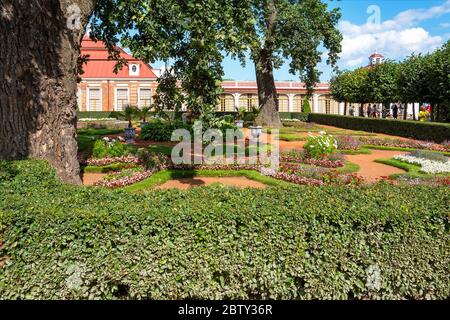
[(101, 89), (135, 84)]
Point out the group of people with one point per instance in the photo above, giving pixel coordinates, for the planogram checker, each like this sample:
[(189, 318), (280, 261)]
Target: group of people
[(377, 111)]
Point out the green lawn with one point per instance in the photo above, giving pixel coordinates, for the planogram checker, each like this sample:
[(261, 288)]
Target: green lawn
[(413, 170), (166, 175)]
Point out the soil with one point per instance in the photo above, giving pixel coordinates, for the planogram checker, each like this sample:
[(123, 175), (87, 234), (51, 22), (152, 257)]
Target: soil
[(89, 179), (185, 183), (371, 170)]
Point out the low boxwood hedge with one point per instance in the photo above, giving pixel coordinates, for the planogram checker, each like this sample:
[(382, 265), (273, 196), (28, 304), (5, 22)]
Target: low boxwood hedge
[(434, 131), (69, 242)]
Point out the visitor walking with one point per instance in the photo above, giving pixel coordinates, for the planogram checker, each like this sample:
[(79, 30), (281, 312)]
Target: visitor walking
[(395, 111)]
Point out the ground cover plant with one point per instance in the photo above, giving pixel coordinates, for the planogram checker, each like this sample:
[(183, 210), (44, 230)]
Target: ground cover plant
[(325, 242)]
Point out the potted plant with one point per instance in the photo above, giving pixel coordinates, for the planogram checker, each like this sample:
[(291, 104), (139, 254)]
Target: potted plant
[(240, 117), (143, 114), (130, 132)]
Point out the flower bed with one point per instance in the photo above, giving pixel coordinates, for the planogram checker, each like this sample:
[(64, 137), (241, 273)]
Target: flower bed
[(111, 160), (326, 163), (116, 181), (428, 166), (412, 144)]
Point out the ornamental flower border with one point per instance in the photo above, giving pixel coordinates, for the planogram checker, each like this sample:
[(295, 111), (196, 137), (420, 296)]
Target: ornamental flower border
[(428, 166)]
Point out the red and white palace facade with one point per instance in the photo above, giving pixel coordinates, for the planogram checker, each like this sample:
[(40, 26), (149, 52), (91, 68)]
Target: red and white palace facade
[(101, 89)]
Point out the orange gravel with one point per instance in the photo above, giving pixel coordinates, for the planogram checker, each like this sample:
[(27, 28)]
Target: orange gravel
[(371, 170), (186, 183), (89, 179)]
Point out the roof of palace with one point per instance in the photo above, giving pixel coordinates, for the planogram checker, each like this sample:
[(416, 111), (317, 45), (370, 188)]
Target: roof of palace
[(100, 66)]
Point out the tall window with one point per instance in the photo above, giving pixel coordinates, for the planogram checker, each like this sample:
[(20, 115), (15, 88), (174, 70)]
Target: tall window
[(145, 97), (298, 102), (226, 103), (122, 99), (248, 101), (283, 103), (95, 99)]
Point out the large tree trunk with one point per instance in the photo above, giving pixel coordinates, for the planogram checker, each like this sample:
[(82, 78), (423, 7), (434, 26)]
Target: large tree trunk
[(39, 49), (345, 108), (267, 92)]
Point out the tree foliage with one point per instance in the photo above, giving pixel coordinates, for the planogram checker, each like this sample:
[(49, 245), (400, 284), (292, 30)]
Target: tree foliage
[(419, 78)]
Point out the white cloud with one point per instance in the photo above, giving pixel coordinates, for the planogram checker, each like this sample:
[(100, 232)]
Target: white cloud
[(395, 38), (445, 24)]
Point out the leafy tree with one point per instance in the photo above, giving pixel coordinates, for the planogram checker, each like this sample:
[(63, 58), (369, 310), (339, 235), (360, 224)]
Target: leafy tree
[(41, 40), (287, 29), (411, 79), (438, 82), (382, 81), (351, 87), (168, 95), (40, 46)]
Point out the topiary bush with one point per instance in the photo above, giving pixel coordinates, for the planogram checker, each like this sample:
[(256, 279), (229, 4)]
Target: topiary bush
[(162, 130), (103, 149), (437, 132), (70, 242)]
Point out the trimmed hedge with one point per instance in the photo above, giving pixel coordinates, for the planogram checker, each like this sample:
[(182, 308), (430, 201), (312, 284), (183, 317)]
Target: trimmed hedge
[(162, 131), (69, 242), (434, 131)]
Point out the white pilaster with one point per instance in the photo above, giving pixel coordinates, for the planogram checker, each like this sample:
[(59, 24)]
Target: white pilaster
[(341, 108), (291, 102), (316, 103)]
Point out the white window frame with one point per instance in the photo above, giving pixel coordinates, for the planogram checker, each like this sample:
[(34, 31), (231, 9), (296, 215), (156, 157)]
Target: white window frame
[(115, 96), (79, 99), (139, 96), (88, 100)]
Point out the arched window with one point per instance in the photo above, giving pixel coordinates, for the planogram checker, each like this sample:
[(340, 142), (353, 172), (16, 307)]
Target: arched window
[(249, 101), (226, 103), (283, 103), (298, 103)]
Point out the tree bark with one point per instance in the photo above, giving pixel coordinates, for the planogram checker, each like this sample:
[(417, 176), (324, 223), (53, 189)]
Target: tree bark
[(267, 92), (345, 108), (39, 49), (405, 113)]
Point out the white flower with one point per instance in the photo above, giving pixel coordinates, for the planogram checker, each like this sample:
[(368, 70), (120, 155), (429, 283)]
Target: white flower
[(428, 166)]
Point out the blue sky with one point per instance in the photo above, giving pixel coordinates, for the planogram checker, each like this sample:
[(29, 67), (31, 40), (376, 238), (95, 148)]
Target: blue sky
[(405, 26)]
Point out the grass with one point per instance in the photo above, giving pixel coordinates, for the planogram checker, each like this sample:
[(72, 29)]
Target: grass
[(349, 167), (87, 137), (166, 175), (291, 137), (355, 152), (412, 170), (160, 149)]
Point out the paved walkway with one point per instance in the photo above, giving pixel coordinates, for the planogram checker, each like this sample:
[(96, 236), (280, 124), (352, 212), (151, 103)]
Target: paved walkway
[(186, 183), (371, 170)]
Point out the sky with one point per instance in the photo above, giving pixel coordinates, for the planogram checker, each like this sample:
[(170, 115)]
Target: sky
[(394, 28)]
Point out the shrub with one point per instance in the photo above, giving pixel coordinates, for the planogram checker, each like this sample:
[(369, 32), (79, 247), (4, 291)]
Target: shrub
[(161, 130), (70, 242), (437, 132), (306, 108), (320, 146), (103, 149)]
